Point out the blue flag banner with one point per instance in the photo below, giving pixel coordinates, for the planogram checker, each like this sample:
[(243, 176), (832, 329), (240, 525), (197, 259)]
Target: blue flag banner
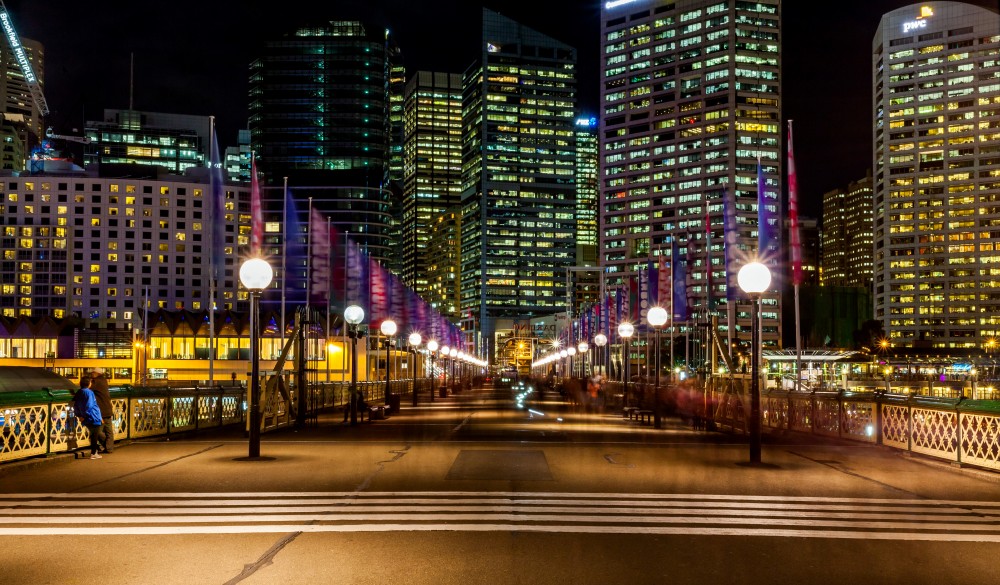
[(217, 210), (767, 219), (731, 238), (679, 269)]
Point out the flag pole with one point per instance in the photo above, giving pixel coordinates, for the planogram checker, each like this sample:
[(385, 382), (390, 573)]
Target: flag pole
[(212, 284), (284, 252), (673, 271), (795, 249), (329, 300), (309, 244)]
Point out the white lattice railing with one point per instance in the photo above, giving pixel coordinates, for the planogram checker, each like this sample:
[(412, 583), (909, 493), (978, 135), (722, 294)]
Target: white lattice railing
[(44, 423), (962, 431)]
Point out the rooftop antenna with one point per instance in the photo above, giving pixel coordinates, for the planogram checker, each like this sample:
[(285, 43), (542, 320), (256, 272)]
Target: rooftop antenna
[(131, 79)]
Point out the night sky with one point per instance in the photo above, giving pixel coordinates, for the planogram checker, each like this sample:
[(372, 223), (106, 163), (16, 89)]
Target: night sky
[(193, 57)]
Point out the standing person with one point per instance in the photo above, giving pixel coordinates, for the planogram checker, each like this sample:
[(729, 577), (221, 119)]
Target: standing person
[(86, 409), (99, 386)]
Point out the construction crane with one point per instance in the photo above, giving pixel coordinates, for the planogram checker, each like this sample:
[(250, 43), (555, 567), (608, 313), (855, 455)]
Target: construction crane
[(52, 135), (14, 40)]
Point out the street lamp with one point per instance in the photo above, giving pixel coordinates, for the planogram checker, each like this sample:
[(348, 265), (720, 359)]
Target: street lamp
[(256, 275), (600, 340), (454, 354), (656, 316), (354, 315), (625, 331), (754, 278), (388, 328), (415, 340), (582, 347), (432, 346)]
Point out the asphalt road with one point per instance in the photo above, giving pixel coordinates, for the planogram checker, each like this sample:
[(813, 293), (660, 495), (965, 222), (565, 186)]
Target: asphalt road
[(472, 489)]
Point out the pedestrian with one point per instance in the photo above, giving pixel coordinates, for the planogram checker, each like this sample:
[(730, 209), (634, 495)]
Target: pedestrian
[(86, 409), (99, 386)]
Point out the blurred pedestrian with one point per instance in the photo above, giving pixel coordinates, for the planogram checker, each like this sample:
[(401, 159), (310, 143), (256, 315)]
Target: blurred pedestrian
[(86, 409), (99, 386)]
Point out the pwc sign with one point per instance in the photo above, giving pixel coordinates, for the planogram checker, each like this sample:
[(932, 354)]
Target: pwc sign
[(920, 22)]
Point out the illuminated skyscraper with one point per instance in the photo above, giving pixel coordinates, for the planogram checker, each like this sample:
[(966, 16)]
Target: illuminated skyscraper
[(432, 176), (691, 97), (847, 235), (936, 97), (519, 196), (586, 192), (321, 107)]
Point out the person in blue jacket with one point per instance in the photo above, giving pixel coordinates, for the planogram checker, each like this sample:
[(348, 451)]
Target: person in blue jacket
[(86, 409)]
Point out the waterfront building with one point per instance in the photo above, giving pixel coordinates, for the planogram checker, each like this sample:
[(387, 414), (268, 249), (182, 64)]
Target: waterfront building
[(586, 191), (691, 98), (519, 164), (444, 237), (432, 180), (104, 249), (936, 144)]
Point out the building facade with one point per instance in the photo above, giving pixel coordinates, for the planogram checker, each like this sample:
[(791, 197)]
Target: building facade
[(519, 196), (321, 115), (175, 142), (691, 98), (586, 191), (936, 145), (432, 174), (847, 235), (21, 127), (102, 249)]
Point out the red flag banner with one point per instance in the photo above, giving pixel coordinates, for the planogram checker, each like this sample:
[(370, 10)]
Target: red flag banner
[(256, 211), (794, 238)]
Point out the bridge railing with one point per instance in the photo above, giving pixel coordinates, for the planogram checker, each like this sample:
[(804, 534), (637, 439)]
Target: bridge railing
[(953, 429), (43, 422)]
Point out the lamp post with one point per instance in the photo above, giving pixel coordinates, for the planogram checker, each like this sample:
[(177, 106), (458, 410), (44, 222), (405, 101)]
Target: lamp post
[(415, 340), (432, 346), (354, 315), (453, 352), (256, 275), (625, 331), (656, 316), (600, 340), (754, 278), (583, 347), (388, 328)]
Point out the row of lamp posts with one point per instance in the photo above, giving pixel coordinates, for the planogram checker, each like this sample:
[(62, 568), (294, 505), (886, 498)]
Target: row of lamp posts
[(754, 279), (256, 275)]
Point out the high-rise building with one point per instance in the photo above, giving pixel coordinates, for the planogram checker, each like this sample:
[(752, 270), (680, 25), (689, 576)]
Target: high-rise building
[(519, 196), (95, 247), (321, 106), (21, 126), (442, 262), (432, 174), (175, 142), (586, 191), (847, 235), (936, 114), (691, 97)]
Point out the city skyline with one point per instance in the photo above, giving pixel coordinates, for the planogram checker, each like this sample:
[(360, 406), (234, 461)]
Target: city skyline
[(183, 67)]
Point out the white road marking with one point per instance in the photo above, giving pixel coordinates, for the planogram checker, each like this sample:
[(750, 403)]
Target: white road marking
[(615, 513)]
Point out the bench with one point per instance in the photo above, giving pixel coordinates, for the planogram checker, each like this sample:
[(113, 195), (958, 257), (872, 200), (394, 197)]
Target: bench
[(629, 411), (374, 412)]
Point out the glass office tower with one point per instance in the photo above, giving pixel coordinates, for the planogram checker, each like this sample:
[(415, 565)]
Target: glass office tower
[(691, 98), (432, 176), (936, 144), (519, 196)]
